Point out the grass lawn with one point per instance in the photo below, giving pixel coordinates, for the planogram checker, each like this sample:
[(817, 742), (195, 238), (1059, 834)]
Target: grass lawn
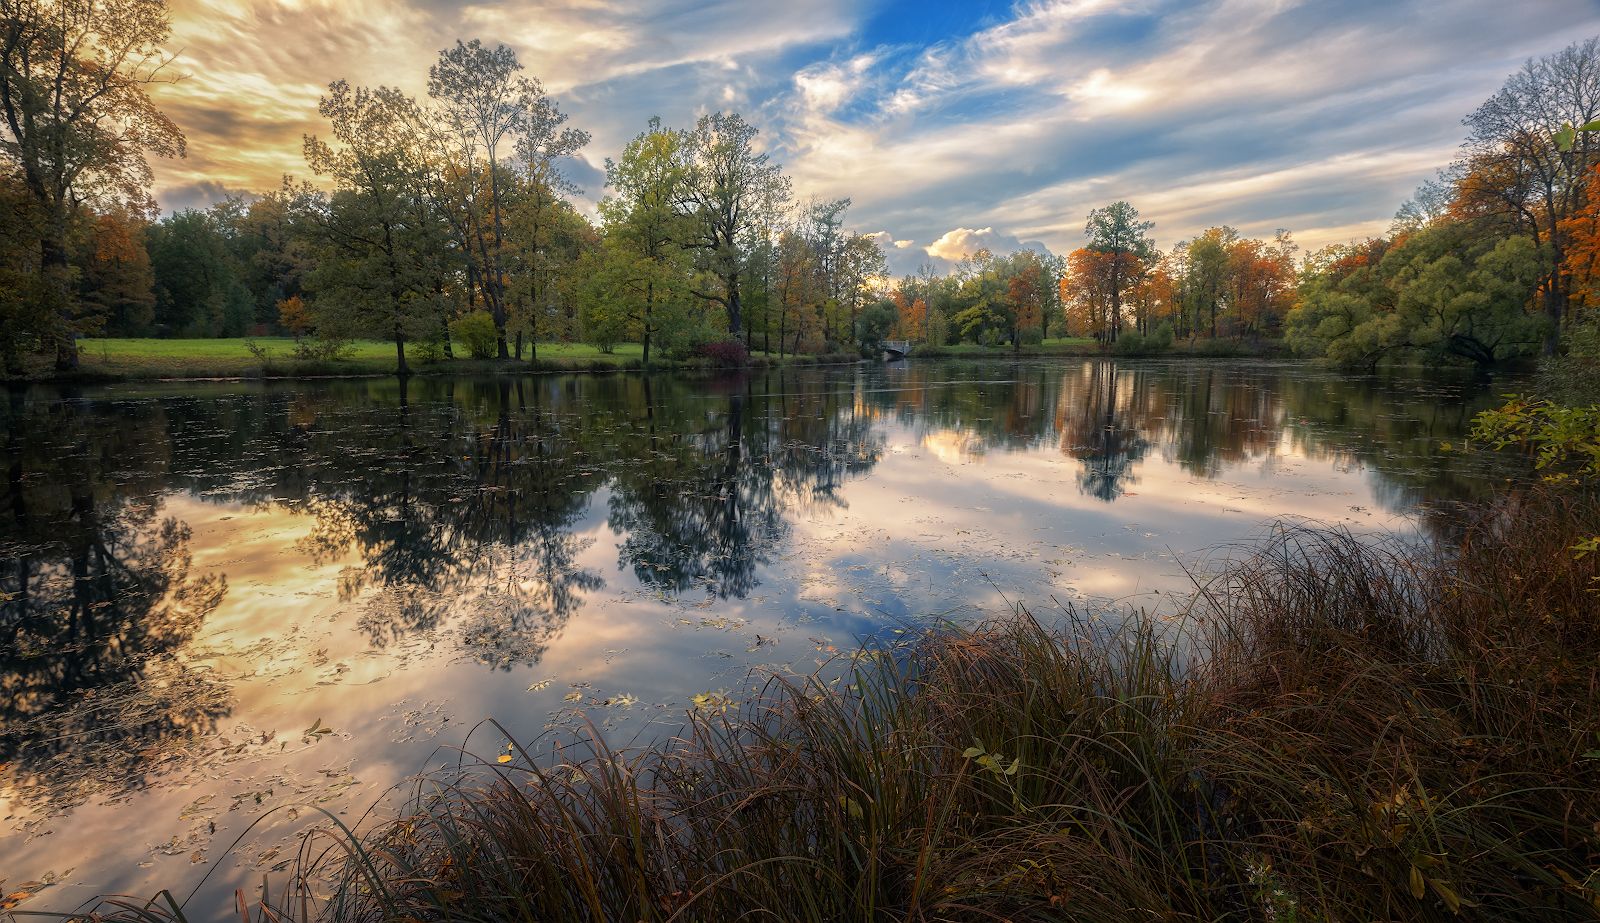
[(1051, 347), (205, 358)]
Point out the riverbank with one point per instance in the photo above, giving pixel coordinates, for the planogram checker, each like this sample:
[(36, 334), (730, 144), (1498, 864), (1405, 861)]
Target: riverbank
[(111, 360), (1368, 732), (150, 359)]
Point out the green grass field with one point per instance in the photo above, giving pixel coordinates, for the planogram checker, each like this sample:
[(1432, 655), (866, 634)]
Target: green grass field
[(232, 358), (225, 358)]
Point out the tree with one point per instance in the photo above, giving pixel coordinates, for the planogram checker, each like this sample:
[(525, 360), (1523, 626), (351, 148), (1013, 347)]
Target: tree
[(485, 101), (1443, 291), (874, 324), (382, 251), (1514, 167), (641, 261), (1086, 293), (198, 292), (1206, 277), (1116, 231), (541, 214), (730, 191), (116, 279), (79, 121)]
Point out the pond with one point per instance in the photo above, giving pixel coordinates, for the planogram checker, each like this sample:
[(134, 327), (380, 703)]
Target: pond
[(227, 606)]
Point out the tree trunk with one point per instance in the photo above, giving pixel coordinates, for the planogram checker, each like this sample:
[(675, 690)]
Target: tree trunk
[(1555, 308), (57, 275), (400, 367)]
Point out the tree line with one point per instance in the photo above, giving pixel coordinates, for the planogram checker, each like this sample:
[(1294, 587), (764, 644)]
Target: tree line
[(448, 224)]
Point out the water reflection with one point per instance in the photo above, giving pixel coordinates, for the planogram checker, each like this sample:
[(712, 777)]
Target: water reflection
[(96, 595), (482, 516)]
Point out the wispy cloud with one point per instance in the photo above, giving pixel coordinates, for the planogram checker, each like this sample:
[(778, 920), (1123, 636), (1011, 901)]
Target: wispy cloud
[(1314, 116)]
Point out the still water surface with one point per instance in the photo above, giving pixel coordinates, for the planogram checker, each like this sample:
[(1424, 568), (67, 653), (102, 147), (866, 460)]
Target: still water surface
[(221, 602)]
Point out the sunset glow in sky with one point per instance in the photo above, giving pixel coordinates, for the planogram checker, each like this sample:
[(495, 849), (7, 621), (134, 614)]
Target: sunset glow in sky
[(951, 124)]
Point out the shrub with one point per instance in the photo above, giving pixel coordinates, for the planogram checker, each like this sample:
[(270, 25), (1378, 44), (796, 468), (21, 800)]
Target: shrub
[(477, 333), (428, 352), (322, 347), (723, 353), (1031, 336), (1574, 376)]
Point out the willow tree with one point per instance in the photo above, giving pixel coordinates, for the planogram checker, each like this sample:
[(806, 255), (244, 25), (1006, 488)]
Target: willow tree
[(79, 122)]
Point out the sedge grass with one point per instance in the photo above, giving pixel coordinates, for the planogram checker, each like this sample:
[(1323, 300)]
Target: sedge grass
[(1337, 731)]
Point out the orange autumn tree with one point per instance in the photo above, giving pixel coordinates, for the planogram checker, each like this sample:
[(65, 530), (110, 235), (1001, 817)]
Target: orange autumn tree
[(1582, 257), (1086, 292), (911, 315), (295, 316), (115, 278), (1027, 292)]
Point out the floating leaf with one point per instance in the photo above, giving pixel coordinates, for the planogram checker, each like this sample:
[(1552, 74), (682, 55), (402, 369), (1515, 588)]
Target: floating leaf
[(504, 758)]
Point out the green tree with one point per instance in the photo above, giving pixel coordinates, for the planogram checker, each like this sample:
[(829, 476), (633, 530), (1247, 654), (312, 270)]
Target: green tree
[(485, 102), (642, 265), (541, 220), (381, 253), (731, 189), (1116, 231), (198, 291), (1444, 291)]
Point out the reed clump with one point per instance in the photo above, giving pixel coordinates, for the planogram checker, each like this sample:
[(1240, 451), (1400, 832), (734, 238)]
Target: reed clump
[(1336, 731)]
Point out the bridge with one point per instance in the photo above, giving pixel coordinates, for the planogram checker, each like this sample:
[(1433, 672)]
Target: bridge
[(896, 349)]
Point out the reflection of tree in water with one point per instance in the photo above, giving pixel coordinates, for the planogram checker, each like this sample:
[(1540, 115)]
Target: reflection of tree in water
[(96, 596), (461, 510), (1207, 418), (705, 506), (1098, 430)]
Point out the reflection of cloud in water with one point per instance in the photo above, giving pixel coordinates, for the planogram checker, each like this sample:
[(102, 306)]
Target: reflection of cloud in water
[(954, 447), (430, 552)]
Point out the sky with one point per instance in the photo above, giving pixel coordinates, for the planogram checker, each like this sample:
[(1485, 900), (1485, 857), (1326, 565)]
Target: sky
[(950, 125)]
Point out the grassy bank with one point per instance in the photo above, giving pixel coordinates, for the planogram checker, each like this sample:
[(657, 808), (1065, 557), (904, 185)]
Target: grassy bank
[(1336, 732), (150, 359)]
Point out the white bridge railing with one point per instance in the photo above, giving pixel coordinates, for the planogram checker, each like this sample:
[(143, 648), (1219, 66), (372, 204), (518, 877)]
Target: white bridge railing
[(898, 347)]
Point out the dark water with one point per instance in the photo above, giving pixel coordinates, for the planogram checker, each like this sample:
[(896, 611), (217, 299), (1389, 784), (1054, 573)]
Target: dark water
[(199, 582)]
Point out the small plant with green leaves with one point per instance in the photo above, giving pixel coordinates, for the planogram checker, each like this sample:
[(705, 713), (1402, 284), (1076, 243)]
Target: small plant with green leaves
[(1564, 442)]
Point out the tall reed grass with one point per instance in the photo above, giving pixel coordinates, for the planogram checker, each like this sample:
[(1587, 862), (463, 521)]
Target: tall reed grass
[(1336, 731)]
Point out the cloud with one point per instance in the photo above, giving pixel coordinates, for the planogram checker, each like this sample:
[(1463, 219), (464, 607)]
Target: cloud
[(1318, 117)]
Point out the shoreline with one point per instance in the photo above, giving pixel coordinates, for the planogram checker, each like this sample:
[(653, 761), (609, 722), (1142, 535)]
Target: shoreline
[(179, 368)]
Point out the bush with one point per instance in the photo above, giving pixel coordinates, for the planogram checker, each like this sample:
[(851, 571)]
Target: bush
[(1574, 376), (428, 352), (1031, 336), (323, 347), (1129, 343), (476, 332), (723, 354), (1161, 337)]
